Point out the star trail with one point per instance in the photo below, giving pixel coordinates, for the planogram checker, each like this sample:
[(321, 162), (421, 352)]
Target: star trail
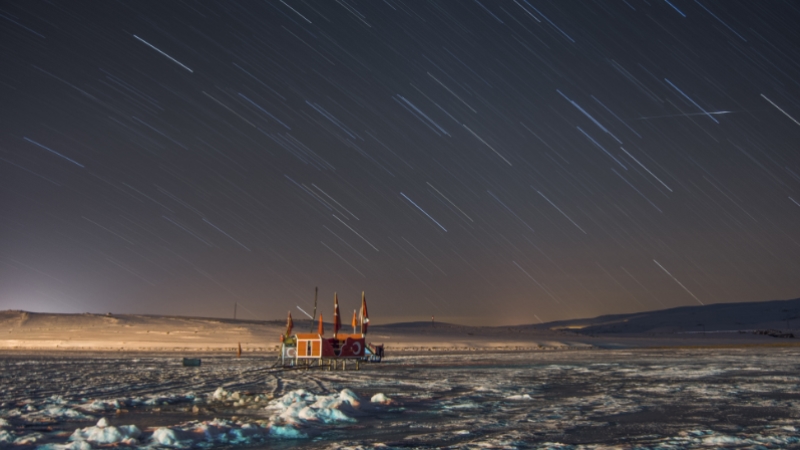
[(490, 162)]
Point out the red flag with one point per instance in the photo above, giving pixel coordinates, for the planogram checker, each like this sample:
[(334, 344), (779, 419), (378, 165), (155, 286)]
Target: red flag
[(320, 328), (337, 323), (289, 325), (364, 315)]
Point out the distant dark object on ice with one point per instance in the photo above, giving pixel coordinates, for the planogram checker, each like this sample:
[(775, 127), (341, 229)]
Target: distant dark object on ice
[(774, 333), (191, 362)]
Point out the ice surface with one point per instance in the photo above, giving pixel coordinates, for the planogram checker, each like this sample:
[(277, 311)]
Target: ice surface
[(666, 399)]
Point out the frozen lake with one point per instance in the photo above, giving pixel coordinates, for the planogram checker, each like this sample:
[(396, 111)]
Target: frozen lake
[(671, 398)]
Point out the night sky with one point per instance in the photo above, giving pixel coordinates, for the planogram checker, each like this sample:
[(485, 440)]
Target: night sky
[(487, 162)]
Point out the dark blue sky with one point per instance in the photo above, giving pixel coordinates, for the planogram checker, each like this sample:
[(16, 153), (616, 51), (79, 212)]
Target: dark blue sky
[(487, 162)]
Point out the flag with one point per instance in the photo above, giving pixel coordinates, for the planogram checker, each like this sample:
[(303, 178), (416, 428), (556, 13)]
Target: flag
[(320, 328), (289, 325), (355, 321), (364, 315), (337, 323)]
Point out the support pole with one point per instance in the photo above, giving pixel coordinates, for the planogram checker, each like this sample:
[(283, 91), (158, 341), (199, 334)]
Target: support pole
[(315, 310)]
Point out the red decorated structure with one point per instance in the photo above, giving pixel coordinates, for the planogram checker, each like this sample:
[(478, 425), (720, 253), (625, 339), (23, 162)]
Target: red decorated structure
[(307, 349)]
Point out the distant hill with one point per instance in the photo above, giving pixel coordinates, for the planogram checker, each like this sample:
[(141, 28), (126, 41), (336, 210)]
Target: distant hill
[(23, 330), (669, 327), (775, 314)]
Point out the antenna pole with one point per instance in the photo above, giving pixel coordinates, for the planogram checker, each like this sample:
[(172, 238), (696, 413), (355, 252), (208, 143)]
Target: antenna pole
[(315, 309)]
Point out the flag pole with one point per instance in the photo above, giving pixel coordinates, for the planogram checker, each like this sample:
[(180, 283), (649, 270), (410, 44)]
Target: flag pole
[(315, 309)]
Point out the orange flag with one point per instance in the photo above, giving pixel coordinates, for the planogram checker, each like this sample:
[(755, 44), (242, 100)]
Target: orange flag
[(320, 327), (355, 321), (337, 322), (289, 325), (364, 315)]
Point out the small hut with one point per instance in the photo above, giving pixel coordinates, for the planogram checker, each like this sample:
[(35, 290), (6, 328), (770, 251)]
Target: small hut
[(305, 348)]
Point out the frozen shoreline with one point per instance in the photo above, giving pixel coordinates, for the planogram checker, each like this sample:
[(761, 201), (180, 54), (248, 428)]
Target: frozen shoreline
[(136, 333)]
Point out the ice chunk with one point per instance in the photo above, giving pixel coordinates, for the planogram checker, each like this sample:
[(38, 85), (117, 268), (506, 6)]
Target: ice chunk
[(219, 394), (165, 436), (286, 432), (210, 433), (6, 437), (325, 415), (299, 407), (61, 413), (724, 441), (103, 433), (28, 439), (699, 432), (520, 397), (238, 436), (350, 397), (77, 445), (4, 423), (381, 398), (296, 396), (102, 405)]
